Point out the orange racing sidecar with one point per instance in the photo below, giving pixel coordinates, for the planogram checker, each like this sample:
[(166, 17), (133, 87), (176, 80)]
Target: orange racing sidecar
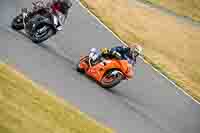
[(107, 72)]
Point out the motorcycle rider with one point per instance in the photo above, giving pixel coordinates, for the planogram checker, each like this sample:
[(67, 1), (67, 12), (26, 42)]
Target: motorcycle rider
[(59, 9), (129, 53)]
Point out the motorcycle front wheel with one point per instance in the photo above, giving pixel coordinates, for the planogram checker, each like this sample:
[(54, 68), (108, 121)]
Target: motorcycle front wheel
[(17, 23)]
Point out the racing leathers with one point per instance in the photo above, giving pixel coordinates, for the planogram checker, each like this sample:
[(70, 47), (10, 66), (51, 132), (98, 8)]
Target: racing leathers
[(119, 52), (124, 53)]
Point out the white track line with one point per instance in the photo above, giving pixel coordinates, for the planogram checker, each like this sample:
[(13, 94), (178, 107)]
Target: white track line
[(145, 61)]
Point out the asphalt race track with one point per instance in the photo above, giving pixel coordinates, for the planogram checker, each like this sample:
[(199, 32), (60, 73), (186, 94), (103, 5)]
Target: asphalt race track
[(147, 104)]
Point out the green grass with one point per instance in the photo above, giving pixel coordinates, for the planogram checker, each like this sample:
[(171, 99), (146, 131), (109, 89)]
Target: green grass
[(27, 108)]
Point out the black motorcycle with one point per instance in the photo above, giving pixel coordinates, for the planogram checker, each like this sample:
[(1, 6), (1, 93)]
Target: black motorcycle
[(39, 25)]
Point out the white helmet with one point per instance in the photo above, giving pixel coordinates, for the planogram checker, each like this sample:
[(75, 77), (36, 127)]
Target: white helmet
[(136, 49)]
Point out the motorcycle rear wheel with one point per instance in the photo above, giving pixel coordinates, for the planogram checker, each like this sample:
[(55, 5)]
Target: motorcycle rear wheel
[(36, 37)]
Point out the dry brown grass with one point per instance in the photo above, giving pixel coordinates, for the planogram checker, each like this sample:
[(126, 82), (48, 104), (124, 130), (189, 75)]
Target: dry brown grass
[(190, 8), (26, 108), (172, 46)]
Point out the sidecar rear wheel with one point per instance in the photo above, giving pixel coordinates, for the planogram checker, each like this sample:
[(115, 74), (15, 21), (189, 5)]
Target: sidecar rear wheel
[(78, 69), (108, 81)]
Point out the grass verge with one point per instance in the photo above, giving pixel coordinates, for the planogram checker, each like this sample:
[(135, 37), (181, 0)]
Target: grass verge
[(189, 8), (27, 108), (170, 45)]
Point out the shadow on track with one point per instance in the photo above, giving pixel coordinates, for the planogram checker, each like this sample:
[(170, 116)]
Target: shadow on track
[(50, 49), (137, 107)]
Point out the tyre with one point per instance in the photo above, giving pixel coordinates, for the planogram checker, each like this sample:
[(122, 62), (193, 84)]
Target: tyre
[(78, 69), (42, 33), (17, 23), (109, 80)]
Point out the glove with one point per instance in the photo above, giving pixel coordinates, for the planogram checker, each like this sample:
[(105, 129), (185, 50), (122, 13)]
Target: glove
[(93, 56)]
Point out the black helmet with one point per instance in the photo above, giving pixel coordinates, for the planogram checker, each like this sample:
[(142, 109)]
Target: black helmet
[(66, 4)]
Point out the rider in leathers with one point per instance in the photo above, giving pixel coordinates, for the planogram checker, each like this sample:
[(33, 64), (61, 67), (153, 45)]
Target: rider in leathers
[(59, 9)]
